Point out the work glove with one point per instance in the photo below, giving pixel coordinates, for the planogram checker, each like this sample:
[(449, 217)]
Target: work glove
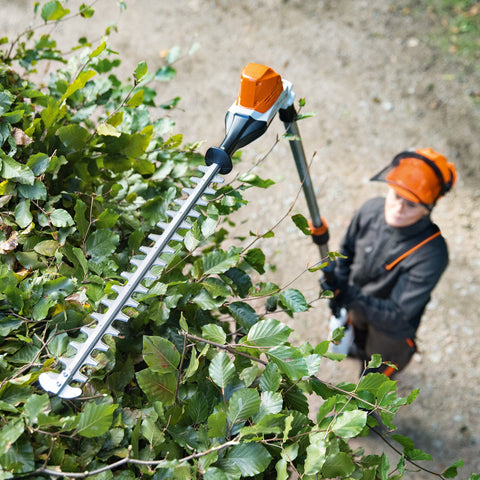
[(333, 302), (338, 285), (342, 294)]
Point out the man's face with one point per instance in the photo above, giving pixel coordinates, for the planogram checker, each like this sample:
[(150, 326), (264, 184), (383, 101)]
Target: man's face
[(400, 212)]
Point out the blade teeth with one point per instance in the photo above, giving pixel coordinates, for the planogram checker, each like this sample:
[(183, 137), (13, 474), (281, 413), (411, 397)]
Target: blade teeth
[(168, 249), (135, 261), (103, 347), (141, 289), (179, 201), (76, 345), (185, 225), (90, 361), (144, 249), (97, 316), (175, 236), (106, 301), (193, 213), (150, 276), (196, 179), (79, 377), (154, 237), (122, 317), (159, 262), (87, 330), (200, 201), (117, 288), (171, 213), (131, 303), (204, 169), (126, 275), (209, 191), (66, 362), (112, 331)]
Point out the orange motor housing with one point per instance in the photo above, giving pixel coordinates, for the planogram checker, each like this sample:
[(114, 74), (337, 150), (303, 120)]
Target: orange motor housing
[(260, 87)]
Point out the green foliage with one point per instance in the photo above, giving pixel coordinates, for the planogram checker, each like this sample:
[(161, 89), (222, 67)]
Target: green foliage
[(198, 384), (458, 26)]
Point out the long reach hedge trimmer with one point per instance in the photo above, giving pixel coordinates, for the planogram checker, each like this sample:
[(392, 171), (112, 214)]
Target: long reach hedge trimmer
[(262, 95)]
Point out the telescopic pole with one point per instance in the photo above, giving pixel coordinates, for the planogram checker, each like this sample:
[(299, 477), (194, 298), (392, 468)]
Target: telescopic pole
[(263, 94), (318, 225)]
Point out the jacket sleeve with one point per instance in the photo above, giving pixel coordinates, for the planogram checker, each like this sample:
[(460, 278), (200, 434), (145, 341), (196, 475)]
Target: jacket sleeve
[(399, 314)]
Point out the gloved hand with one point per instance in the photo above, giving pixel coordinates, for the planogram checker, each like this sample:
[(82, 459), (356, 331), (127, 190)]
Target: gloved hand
[(332, 287), (342, 293), (333, 284)]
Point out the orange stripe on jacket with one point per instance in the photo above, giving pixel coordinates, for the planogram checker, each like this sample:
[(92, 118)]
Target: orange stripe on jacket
[(407, 253), (389, 371)]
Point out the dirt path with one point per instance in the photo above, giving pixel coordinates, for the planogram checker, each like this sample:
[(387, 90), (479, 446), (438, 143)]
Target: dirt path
[(365, 68)]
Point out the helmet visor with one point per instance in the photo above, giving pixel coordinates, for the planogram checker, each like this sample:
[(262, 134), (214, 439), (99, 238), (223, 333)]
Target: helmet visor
[(412, 180)]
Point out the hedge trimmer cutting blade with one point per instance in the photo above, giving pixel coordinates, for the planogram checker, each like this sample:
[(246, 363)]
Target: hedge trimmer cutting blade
[(59, 383), (262, 94)]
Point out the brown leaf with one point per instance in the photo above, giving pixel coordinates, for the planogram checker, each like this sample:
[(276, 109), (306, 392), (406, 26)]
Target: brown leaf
[(10, 244), (20, 137)]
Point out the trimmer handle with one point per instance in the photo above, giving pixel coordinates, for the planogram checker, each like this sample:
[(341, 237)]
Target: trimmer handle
[(262, 94)]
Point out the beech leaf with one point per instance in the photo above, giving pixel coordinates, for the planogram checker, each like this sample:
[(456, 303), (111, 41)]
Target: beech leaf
[(221, 370), (95, 420)]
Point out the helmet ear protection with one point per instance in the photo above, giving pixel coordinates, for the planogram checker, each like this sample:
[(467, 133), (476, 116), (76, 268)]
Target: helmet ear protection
[(445, 185)]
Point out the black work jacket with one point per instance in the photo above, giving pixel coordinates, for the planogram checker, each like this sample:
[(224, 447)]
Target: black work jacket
[(391, 301)]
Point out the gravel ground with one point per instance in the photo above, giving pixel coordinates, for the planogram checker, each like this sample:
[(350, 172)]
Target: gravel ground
[(377, 88)]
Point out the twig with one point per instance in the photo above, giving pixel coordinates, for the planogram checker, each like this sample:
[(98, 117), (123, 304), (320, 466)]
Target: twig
[(52, 23), (180, 366), (285, 215), (412, 462), (232, 350), (129, 460), (228, 348)]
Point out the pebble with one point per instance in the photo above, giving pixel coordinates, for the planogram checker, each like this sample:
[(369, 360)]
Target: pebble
[(413, 42)]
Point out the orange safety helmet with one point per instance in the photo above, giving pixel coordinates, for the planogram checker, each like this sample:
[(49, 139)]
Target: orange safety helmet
[(422, 176)]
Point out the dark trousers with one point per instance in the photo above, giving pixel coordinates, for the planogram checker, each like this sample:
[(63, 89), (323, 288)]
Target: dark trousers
[(368, 340)]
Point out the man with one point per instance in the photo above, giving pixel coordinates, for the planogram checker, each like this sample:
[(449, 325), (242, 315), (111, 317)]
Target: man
[(394, 257)]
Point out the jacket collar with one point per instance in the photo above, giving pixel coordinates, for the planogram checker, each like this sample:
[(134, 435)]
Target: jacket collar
[(413, 229)]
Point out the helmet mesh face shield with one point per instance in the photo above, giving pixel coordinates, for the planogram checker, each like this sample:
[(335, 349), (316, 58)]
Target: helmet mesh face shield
[(416, 178)]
